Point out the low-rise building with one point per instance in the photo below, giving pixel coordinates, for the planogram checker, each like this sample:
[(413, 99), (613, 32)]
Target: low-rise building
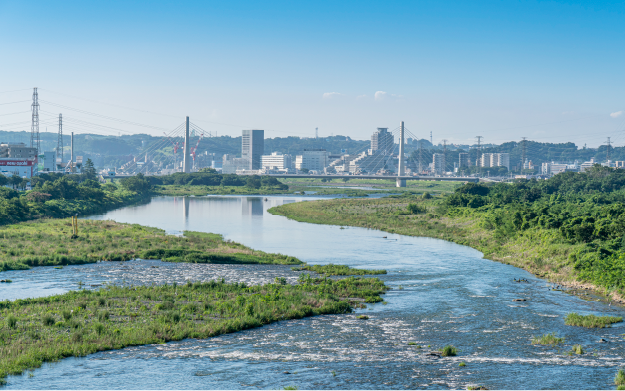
[(277, 161), (312, 159)]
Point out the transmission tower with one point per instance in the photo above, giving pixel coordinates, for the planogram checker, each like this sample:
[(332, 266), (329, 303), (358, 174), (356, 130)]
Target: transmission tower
[(316, 133), (523, 153), (34, 129), (479, 149), (608, 150), (59, 143), (431, 138)]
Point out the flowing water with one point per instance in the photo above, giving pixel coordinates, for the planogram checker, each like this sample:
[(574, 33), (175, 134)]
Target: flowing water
[(442, 294)]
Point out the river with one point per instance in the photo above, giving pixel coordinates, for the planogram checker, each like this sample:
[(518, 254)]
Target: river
[(442, 294)]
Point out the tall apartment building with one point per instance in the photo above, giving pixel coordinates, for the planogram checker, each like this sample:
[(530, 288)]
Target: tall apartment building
[(252, 148), (495, 160), (382, 141), (312, 159), (276, 160), (438, 163), (463, 160)]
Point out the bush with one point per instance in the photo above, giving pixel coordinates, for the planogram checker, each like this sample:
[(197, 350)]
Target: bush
[(547, 339), (103, 316), (48, 320), (416, 209), (619, 380), (67, 315), (449, 351), (11, 321), (99, 328)]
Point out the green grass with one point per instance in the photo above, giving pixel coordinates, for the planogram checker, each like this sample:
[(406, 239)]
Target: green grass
[(547, 339), (201, 190), (48, 242), (591, 321), (619, 379), (156, 314), (339, 270), (362, 317), (449, 351), (577, 349), (462, 364)]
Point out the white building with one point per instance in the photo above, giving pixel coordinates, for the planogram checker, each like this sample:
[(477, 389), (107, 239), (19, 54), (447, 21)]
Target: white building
[(233, 164), (312, 159), (438, 163), (495, 160), (276, 161)]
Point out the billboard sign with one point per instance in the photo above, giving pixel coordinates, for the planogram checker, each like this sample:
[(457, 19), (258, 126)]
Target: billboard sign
[(16, 163)]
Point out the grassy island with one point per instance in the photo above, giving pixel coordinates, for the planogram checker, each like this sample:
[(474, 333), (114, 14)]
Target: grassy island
[(570, 228), (78, 323), (339, 270), (49, 242)]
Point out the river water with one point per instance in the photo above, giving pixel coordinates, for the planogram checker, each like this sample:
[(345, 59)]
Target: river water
[(443, 294)]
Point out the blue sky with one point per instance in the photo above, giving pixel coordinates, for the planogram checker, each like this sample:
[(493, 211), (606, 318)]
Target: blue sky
[(546, 70)]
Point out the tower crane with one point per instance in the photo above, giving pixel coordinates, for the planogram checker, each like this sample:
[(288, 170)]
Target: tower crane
[(194, 149)]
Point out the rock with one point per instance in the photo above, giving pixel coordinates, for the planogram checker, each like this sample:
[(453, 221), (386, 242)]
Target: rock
[(287, 372), (602, 340), (518, 300)]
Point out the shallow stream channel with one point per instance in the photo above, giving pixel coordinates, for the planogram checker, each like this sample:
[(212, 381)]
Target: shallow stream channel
[(443, 294)]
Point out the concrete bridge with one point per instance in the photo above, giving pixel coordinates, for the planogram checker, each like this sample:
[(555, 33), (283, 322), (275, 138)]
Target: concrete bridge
[(387, 177)]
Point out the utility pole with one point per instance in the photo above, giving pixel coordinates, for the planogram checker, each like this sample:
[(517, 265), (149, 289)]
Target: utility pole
[(34, 130), (59, 143), (608, 151), (444, 155), (523, 153), (431, 138)]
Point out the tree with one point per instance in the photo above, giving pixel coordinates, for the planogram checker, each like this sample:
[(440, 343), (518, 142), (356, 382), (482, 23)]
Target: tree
[(15, 180), (137, 183), (89, 170), (3, 180), (253, 182)]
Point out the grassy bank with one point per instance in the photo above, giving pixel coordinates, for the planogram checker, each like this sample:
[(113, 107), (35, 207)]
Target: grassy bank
[(339, 270), (568, 229), (78, 323), (49, 242), (419, 186), (202, 190)]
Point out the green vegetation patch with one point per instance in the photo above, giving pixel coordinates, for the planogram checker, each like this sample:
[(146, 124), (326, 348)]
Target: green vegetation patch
[(449, 351), (339, 270), (34, 331), (48, 242), (547, 339), (591, 321)]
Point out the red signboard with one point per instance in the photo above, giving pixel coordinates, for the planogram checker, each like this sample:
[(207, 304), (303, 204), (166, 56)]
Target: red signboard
[(16, 162)]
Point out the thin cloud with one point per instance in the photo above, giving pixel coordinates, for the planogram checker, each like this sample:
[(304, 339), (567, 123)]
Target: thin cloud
[(361, 97), (380, 95), (330, 95), (616, 114)]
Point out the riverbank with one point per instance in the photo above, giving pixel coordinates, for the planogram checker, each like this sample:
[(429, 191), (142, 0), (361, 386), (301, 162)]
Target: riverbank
[(78, 323), (50, 242), (540, 251)]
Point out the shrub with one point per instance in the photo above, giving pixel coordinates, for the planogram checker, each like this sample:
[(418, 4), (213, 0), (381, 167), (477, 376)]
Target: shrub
[(619, 380), (547, 339), (11, 321), (67, 314), (449, 351), (103, 316), (48, 320), (99, 328), (416, 209), (577, 349)]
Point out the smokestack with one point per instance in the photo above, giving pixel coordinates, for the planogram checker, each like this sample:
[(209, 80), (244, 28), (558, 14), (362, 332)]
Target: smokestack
[(72, 158)]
